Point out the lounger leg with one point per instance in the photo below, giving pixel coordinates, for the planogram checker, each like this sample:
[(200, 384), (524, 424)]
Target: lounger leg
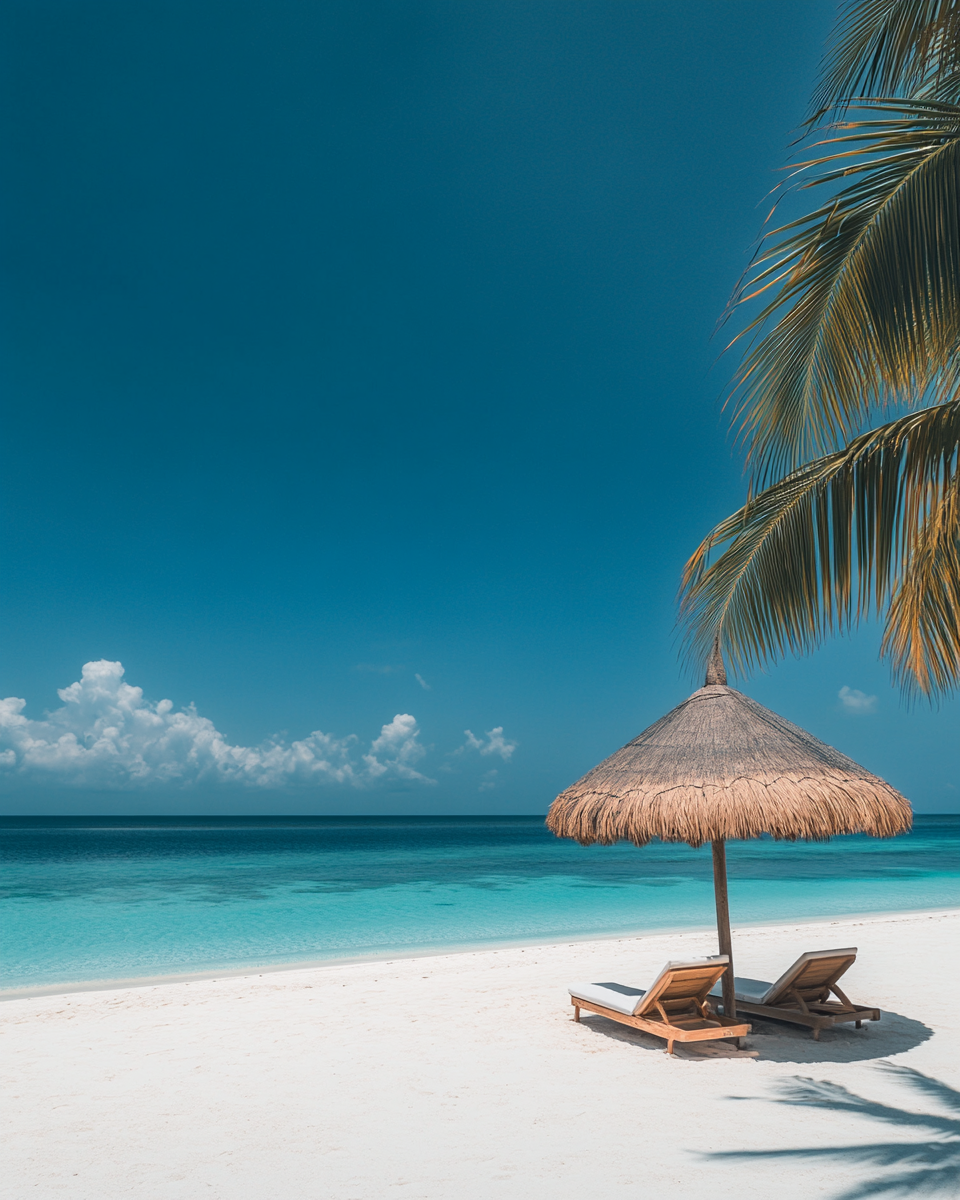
[(859, 1024), (669, 1045), (576, 1014), (816, 1035)]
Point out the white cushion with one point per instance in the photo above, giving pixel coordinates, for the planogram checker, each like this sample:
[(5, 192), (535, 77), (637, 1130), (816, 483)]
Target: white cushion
[(753, 991), (625, 999), (618, 996)]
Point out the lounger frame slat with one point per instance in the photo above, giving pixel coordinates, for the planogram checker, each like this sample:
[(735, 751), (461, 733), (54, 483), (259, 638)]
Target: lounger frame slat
[(805, 996), (819, 1015), (812, 980), (690, 1027)]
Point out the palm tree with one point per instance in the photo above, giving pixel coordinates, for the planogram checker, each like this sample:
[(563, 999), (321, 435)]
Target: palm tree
[(859, 322)]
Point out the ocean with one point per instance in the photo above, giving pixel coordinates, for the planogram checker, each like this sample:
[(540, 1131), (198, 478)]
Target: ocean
[(90, 900)]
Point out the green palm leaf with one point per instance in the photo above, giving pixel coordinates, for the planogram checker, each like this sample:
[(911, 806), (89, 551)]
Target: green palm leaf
[(892, 47), (834, 541), (865, 307), (855, 312), (922, 636)]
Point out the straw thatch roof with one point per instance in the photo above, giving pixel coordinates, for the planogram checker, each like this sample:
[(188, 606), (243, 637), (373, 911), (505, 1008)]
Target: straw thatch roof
[(722, 766)]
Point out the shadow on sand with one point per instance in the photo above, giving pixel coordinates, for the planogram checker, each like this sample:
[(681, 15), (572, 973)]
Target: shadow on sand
[(892, 1034), (604, 1027), (778, 1042), (928, 1167)]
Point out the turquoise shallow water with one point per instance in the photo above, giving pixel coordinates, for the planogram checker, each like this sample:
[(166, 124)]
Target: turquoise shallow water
[(91, 899)]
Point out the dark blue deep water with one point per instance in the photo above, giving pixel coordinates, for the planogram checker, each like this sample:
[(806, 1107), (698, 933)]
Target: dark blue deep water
[(90, 899)]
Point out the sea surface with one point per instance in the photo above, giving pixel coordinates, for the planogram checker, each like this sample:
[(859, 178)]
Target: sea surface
[(96, 899)]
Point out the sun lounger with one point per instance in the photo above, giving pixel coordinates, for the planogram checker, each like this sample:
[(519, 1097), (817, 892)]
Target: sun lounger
[(674, 1007), (801, 995)]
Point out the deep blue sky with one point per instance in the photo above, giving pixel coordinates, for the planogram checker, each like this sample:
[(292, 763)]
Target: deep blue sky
[(348, 342)]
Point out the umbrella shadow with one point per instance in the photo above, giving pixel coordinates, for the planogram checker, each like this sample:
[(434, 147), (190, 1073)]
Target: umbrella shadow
[(926, 1167), (778, 1042)]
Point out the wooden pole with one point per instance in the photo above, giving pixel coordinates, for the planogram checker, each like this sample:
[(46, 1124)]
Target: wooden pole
[(723, 924)]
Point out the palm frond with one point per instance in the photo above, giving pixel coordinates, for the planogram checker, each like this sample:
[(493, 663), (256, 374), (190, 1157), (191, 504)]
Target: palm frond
[(864, 292), (922, 636), (827, 545), (891, 48)]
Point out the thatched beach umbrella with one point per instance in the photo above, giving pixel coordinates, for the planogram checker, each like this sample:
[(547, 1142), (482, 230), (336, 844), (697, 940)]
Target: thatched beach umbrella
[(722, 766)]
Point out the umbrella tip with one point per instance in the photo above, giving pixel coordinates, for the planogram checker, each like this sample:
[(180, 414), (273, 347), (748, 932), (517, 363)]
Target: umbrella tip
[(716, 671)]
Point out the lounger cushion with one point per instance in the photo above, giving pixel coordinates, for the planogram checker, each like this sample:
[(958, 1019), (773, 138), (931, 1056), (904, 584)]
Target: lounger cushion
[(752, 991), (625, 999), (755, 991), (617, 996)]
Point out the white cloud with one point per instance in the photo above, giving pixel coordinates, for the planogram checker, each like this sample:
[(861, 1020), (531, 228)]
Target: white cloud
[(107, 735), (399, 739), (496, 743), (423, 683), (855, 701), (489, 781)]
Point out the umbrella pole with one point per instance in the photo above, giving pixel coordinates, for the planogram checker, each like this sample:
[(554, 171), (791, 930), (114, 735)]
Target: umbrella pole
[(723, 924)]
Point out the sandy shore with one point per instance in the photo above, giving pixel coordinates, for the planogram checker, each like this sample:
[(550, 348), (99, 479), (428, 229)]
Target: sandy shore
[(464, 1076)]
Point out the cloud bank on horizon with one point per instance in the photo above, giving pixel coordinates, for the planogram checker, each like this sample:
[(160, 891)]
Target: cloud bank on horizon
[(107, 735)]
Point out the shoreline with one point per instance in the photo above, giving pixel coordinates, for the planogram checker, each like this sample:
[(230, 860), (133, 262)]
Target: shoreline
[(256, 970), (467, 1075)]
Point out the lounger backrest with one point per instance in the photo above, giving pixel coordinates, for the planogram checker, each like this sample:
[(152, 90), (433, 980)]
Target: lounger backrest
[(812, 974), (679, 983)]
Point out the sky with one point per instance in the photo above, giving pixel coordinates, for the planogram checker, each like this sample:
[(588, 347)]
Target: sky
[(362, 403)]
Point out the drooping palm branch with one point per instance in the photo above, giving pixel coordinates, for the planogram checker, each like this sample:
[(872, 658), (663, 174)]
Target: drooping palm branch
[(864, 529), (859, 314), (864, 307), (892, 48), (921, 630)]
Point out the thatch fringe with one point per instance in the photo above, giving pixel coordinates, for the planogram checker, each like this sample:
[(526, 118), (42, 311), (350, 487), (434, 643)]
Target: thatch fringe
[(722, 766)]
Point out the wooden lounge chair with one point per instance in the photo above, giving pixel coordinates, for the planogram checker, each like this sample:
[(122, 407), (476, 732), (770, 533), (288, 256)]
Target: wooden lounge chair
[(674, 1007), (801, 995)]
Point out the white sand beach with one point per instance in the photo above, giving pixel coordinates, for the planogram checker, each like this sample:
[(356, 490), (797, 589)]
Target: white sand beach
[(465, 1076)]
